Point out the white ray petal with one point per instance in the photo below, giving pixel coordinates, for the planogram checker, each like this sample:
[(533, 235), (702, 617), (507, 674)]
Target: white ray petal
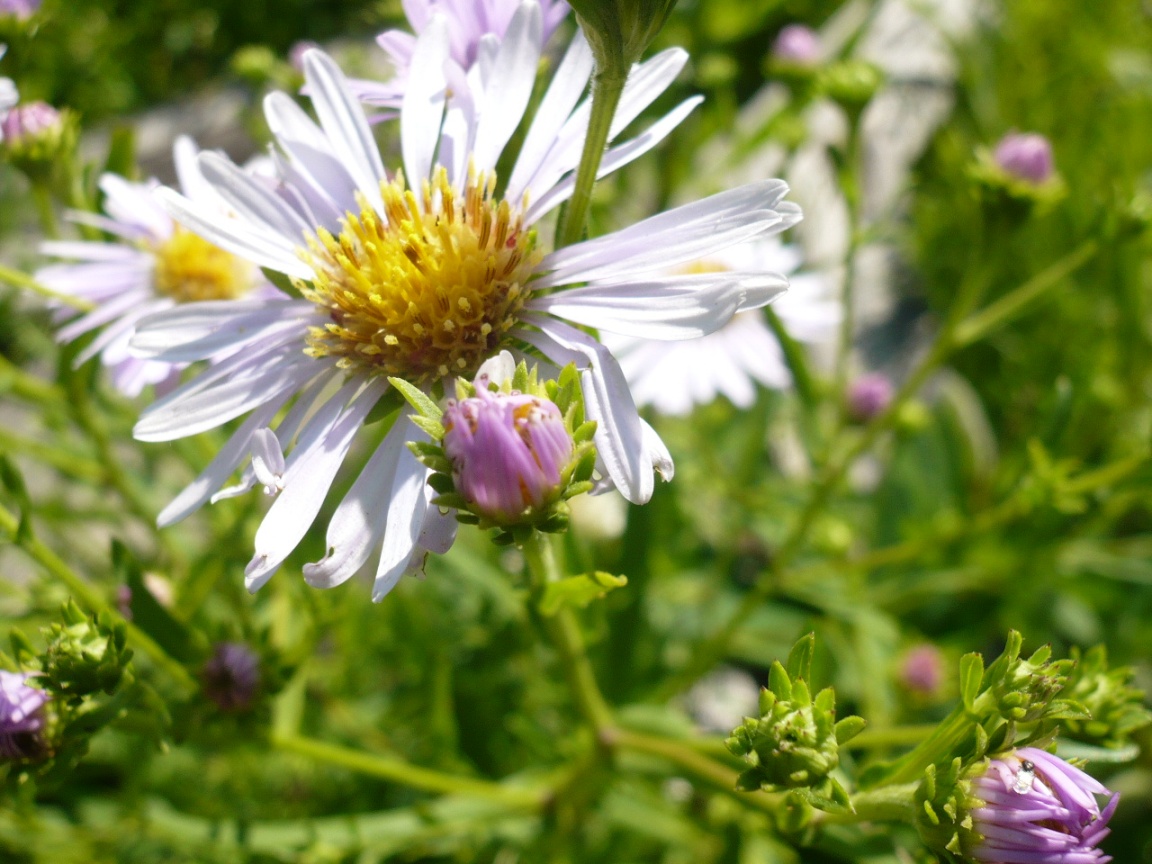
[(423, 110), (407, 510), (507, 93), (308, 477), (252, 242), (343, 120), (194, 331), (672, 307), (619, 436), (358, 523), (252, 199)]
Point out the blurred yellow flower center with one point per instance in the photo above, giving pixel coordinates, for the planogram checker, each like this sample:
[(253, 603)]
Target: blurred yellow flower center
[(189, 268), (430, 290)]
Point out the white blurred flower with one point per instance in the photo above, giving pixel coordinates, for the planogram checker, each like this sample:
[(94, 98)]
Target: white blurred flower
[(674, 377), (154, 265)]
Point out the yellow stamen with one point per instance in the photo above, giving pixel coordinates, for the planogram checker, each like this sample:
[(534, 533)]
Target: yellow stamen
[(189, 268), (434, 286)]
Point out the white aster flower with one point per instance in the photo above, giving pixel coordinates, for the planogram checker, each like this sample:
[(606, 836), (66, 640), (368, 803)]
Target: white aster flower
[(9, 96), (475, 29), (674, 377), (155, 265), (427, 283)]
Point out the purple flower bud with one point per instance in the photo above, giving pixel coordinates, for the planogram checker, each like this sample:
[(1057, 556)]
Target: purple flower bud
[(28, 121), (923, 669), (22, 9), (1027, 156), (797, 44), (868, 396), (231, 676), (1038, 808), (21, 719), (507, 452)]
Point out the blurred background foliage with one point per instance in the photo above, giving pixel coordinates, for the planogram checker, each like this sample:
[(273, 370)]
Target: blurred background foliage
[(966, 521)]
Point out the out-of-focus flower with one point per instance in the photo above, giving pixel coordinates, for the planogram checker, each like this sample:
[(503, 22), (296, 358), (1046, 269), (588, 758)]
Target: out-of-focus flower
[(298, 50), (231, 676), (507, 452), (797, 44), (674, 377), (9, 95), (21, 9), (21, 718), (720, 700), (29, 121), (423, 284), (922, 669), (1026, 156), (1035, 808), (475, 29), (156, 265), (868, 397)]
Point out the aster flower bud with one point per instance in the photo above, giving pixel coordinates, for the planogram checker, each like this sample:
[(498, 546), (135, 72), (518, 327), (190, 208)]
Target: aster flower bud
[(21, 10), (618, 31), (1023, 807), (1026, 156), (85, 655), (922, 670), (795, 743), (231, 677), (38, 138), (21, 716), (868, 397), (798, 45), (508, 451)]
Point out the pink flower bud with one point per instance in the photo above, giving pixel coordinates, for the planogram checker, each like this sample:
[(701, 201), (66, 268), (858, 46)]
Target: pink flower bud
[(507, 452), (231, 677), (868, 396), (797, 44), (923, 669), (1027, 156), (28, 121)]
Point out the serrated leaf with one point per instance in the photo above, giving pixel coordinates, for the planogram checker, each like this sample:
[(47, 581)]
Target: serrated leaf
[(971, 675), (417, 398), (578, 591)]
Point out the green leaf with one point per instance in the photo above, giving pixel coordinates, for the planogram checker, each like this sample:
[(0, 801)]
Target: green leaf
[(578, 591), (800, 657), (849, 728), (971, 674), (778, 681), (418, 399), (284, 283), (13, 481)]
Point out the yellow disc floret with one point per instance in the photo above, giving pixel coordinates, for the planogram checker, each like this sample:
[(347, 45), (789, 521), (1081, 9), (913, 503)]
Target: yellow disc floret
[(189, 268), (431, 289)]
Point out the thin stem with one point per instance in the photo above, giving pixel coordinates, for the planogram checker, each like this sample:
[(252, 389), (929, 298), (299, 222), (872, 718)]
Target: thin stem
[(564, 631), (407, 774), (891, 803), (20, 279), (91, 598), (695, 765), (42, 196), (893, 736), (79, 467), (607, 88)]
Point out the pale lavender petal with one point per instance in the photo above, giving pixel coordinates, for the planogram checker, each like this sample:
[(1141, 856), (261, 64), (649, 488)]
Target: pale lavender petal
[(423, 109), (407, 510), (507, 93), (195, 331)]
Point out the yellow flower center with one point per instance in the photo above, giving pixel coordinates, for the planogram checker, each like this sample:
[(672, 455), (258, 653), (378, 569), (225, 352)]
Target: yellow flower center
[(430, 290), (189, 268)]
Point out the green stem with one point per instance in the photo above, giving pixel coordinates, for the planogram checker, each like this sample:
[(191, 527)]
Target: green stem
[(407, 774), (607, 87), (564, 631), (892, 736), (979, 324), (92, 599), (20, 279), (891, 803), (70, 464), (42, 196), (696, 766)]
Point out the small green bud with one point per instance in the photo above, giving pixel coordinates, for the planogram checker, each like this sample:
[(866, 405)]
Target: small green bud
[(794, 743), (85, 654), (850, 83), (619, 31), (1116, 709), (38, 139)]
